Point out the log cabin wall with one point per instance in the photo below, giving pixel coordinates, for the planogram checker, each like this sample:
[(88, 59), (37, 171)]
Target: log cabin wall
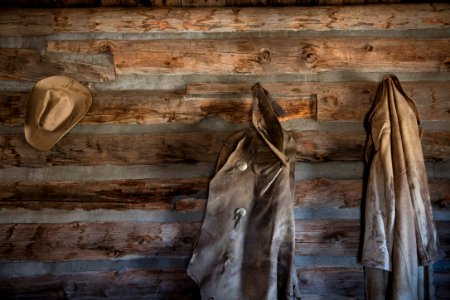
[(112, 211)]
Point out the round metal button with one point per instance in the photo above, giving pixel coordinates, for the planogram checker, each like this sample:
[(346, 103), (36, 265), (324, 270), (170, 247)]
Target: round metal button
[(241, 165), (241, 212)]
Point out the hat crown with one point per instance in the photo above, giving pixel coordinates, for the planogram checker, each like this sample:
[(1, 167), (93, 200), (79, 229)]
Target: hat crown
[(56, 110)]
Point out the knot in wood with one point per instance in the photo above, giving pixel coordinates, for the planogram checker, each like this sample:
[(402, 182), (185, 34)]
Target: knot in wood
[(368, 47), (446, 65), (310, 56), (265, 56), (106, 49)]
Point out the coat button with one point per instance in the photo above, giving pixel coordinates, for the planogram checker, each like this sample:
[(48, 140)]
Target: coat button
[(241, 165), (241, 212)]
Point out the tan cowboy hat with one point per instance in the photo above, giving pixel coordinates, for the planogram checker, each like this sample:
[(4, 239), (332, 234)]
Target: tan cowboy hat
[(56, 105)]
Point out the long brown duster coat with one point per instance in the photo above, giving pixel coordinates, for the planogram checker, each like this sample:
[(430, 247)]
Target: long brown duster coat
[(246, 246), (400, 235)]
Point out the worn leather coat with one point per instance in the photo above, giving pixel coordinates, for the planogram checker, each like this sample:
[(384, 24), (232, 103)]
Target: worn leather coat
[(246, 245), (400, 236)]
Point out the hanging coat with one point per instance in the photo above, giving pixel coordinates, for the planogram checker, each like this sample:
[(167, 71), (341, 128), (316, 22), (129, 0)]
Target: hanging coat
[(400, 240), (246, 246)]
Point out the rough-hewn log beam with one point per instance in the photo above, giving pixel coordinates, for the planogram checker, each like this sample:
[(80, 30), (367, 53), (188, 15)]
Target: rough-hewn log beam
[(225, 20), (268, 56), (98, 149)]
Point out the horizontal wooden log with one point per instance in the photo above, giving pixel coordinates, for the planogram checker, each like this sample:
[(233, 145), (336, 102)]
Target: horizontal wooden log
[(127, 284), (182, 3), (268, 56), (115, 149), (90, 149), (27, 64), (149, 107), (52, 242), (324, 146), (90, 241), (325, 282), (346, 101), (181, 195), (315, 283), (294, 19), (118, 194), (327, 237)]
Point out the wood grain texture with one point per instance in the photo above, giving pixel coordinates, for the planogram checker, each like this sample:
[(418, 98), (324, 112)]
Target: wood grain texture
[(91, 149), (116, 285), (150, 107), (159, 194), (321, 282), (327, 145), (25, 22), (183, 3), (347, 101), (90, 241), (53, 242), (327, 237), (268, 56), (182, 195), (344, 101), (315, 283), (27, 64)]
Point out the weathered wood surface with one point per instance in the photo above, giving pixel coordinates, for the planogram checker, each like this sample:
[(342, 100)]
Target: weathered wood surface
[(25, 22), (182, 195), (325, 282), (268, 56), (52, 242), (97, 149), (116, 285), (149, 107), (442, 285), (315, 283), (328, 145), (88, 241), (346, 101), (183, 3), (156, 194), (27, 64)]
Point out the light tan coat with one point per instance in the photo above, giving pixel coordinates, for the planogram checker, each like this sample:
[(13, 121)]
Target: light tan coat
[(400, 236)]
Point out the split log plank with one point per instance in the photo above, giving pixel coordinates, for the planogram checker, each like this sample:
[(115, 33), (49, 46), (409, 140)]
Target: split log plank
[(315, 283), (115, 285), (91, 149), (183, 3), (87, 241), (181, 195), (346, 101), (268, 56), (158, 194), (90, 241), (27, 64), (25, 22), (327, 145), (321, 282), (149, 107)]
